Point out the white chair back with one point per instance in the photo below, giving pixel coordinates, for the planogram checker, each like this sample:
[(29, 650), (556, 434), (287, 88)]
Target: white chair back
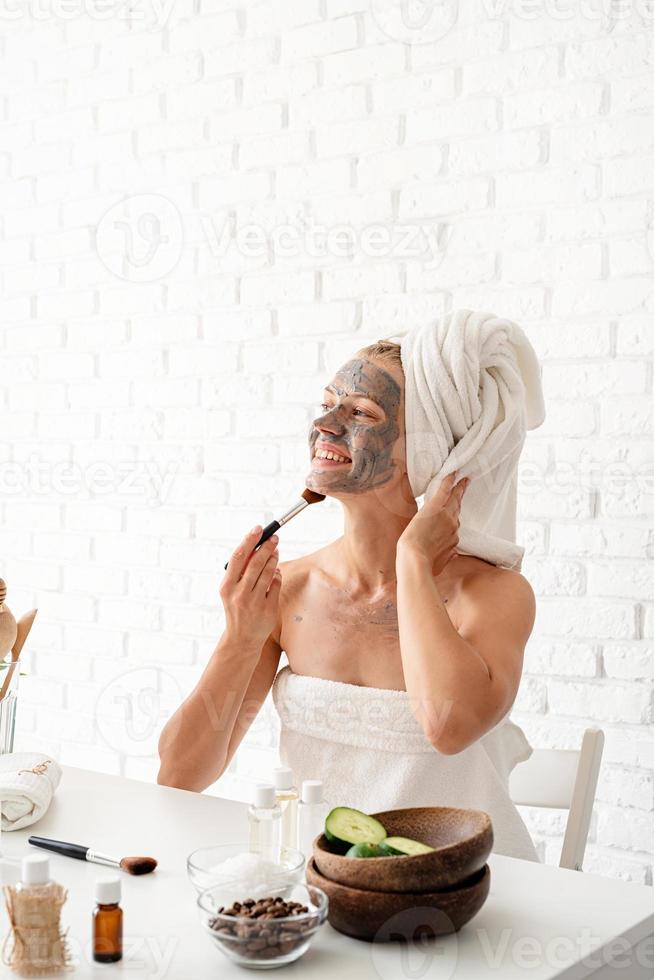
[(563, 779)]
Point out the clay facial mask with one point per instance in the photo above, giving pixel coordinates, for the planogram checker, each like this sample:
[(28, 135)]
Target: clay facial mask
[(364, 432)]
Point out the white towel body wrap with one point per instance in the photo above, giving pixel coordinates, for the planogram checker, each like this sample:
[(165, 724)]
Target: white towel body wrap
[(369, 750)]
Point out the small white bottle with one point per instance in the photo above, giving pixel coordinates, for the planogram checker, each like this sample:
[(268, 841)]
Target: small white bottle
[(311, 813), (265, 819), (35, 874), (286, 795)]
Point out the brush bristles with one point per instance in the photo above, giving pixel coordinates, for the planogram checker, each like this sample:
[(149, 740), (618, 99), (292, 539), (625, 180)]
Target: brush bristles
[(313, 498), (138, 865)]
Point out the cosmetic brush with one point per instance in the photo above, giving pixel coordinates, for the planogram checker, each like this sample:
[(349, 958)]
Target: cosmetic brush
[(308, 497), (132, 865)]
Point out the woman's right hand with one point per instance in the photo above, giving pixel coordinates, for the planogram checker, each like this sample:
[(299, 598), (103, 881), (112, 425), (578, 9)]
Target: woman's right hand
[(250, 590)]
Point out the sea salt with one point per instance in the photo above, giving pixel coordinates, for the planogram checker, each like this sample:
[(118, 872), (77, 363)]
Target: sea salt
[(249, 868)]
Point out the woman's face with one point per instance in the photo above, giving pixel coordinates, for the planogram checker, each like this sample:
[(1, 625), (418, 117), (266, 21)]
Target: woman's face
[(362, 418)]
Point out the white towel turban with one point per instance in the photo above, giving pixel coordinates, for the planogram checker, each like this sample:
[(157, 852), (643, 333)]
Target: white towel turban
[(472, 390)]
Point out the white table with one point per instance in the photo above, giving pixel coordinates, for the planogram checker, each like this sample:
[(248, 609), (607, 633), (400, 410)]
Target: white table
[(538, 922)]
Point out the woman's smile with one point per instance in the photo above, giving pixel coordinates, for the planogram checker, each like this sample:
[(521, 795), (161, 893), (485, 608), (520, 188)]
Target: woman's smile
[(327, 454), (321, 464)]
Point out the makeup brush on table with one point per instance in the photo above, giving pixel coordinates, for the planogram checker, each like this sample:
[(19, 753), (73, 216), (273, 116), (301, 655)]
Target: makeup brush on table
[(132, 865), (308, 497)]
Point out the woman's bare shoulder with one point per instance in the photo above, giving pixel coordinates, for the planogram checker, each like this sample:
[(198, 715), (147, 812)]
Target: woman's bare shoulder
[(296, 568), (477, 572), (491, 587)]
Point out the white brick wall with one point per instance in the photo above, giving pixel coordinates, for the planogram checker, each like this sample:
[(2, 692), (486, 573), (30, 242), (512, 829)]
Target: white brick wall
[(310, 175)]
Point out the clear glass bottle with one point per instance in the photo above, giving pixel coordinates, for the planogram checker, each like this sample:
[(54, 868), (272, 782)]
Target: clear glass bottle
[(287, 795), (311, 813), (107, 921), (265, 819)]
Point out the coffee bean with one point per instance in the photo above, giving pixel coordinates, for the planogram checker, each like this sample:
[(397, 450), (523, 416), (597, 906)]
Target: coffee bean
[(256, 932)]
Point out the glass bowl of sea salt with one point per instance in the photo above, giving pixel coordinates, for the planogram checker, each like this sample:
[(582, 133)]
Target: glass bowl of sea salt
[(219, 863)]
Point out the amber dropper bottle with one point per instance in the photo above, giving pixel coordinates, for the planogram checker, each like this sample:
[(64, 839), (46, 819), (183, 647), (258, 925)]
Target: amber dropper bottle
[(107, 921)]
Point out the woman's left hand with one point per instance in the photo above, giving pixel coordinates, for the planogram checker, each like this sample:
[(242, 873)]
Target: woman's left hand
[(434, 530)]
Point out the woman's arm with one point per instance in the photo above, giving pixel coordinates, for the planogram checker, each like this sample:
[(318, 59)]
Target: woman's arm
[(461, 683), (258, 688), (198, 741), (194, 744)]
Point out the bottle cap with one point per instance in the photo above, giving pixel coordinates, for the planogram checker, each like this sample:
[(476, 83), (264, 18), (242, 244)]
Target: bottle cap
[(107, 890), (283, 777), (311, 791), (264, 795), (35, 869)]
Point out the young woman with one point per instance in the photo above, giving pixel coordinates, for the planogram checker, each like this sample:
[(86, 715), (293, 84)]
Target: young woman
[(404, 657)]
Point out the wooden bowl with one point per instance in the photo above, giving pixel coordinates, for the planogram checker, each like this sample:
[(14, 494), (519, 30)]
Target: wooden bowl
[(463, 840), (385, 916)]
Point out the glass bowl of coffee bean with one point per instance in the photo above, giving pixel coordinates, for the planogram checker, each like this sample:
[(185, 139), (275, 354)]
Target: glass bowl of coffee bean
[(268, 926)]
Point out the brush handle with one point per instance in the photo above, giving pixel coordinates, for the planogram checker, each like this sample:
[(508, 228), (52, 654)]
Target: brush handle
[(267, 532), (75, 851), (61, 847)]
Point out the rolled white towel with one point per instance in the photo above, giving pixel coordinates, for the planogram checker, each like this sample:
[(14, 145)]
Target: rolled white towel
[(472, 389), (27, 784)]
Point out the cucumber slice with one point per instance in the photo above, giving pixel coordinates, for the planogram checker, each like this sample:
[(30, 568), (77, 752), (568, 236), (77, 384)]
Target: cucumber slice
[(407, 846), (372, 851), (335, 845), (364, 851), (344, 825)]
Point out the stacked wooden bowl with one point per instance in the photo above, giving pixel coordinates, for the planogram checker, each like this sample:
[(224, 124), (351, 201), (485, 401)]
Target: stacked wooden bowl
[(404, 897)]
